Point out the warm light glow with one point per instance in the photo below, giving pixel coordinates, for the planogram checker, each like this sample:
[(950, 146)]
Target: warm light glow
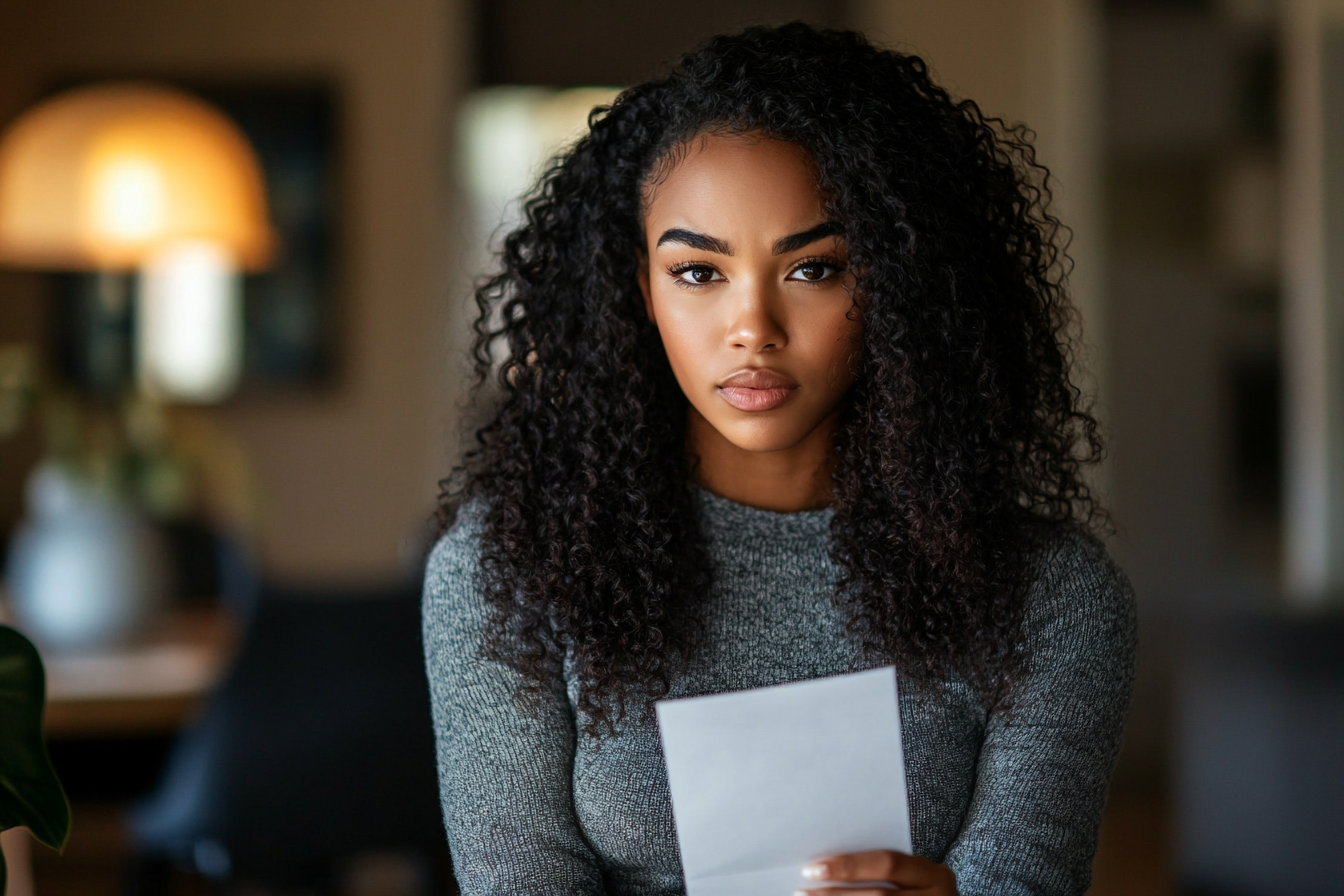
[(103, 177), (128, 199), (189, 323)]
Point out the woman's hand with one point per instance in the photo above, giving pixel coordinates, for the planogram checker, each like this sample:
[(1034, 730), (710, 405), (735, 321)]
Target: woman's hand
[(906, 872)]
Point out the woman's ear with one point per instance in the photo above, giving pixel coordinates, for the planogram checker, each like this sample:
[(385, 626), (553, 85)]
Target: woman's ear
[(644, 287)]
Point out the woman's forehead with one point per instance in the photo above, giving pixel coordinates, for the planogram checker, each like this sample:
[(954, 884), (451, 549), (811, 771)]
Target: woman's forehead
[(737, 176)]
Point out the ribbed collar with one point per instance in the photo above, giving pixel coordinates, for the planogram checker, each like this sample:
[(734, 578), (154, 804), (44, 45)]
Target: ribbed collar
[(730, 521)]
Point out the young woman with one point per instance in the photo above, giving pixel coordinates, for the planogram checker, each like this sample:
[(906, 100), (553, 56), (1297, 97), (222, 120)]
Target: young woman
[(785, 393)]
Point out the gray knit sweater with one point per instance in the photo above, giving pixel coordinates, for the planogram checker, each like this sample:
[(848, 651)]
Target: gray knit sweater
[(1011, 802)]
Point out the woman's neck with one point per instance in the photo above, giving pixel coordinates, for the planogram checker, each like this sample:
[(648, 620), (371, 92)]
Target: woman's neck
[(785, 481)]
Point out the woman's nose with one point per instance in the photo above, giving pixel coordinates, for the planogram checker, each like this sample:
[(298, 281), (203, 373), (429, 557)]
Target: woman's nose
[(755, 326)]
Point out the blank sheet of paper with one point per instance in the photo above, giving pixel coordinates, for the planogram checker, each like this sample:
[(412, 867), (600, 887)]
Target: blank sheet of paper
[(767, 780)]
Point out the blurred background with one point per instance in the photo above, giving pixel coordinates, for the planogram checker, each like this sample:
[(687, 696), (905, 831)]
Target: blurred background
[(218, 549)]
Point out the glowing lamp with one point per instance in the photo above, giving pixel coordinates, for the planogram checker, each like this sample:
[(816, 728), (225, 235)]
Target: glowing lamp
[(134, 176), (100, 177)]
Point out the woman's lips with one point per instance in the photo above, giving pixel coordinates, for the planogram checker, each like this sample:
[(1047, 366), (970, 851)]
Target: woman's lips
[(757, 389)]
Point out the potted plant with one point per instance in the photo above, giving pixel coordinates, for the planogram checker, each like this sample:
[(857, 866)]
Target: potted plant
[(30, 793)]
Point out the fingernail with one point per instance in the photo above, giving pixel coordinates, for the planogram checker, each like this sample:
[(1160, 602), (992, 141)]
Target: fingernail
[(801, 893), (815, 872)]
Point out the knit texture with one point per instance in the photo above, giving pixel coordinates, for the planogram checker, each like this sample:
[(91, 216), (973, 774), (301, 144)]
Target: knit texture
[(1011, 801)]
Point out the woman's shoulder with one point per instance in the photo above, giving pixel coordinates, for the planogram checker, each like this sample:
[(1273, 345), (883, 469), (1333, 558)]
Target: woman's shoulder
[(1075, 586), (1069, 555), (451, 570), (462, 538)]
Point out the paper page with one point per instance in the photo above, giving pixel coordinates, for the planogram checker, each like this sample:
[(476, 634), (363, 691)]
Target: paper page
[(767, 780)]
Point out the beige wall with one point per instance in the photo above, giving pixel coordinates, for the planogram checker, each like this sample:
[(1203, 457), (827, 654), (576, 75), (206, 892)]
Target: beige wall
[(1032, 61), (348, 473)]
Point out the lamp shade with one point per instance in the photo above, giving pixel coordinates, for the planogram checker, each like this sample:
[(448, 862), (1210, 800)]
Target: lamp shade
[(102, 177)]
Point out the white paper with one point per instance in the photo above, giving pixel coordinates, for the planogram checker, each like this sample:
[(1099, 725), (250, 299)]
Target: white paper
[(767, 780)]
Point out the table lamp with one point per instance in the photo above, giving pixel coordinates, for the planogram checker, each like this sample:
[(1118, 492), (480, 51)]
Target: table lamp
[(136, 176), (112, 178)]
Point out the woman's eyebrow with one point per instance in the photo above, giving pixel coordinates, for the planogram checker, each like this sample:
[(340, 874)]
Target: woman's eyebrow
[(795, 241), (701, 241)]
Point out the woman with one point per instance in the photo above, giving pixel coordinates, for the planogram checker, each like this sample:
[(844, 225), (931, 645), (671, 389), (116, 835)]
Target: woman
[(784, 393)]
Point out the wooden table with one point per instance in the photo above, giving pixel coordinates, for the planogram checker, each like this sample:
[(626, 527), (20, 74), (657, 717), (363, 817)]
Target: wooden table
[(151, 686)]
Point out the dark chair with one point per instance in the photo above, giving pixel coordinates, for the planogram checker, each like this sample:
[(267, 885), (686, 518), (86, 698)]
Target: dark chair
[(316, 750), (1260, 737)]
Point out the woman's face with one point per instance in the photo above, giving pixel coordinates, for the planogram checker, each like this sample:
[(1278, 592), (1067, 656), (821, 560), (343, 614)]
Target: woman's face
[(745, 279)]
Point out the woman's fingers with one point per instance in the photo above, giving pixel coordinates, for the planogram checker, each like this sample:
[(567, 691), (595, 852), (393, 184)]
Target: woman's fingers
[(886, 866)]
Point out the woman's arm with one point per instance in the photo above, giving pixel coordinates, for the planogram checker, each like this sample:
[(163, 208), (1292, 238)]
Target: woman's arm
[(1044, 766), (504, 772), (1046, 761)]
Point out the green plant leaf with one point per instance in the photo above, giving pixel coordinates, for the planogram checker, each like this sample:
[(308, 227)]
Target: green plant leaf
[(30, 793)]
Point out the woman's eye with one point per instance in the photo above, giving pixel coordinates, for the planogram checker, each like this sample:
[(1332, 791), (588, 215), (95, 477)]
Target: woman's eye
[(698, 275), (813, 272)]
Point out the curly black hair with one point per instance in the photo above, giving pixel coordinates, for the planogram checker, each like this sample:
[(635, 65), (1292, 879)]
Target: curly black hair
[(961, 433)]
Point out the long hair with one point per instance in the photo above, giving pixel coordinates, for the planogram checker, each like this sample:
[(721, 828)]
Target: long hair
[(962, 430)]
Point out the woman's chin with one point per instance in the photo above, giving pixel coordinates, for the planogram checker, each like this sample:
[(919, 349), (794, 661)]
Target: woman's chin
[(763, 434)]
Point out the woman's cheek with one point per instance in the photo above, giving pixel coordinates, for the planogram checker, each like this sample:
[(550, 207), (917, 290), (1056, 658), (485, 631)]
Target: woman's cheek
[(688, 339), (834, 341)]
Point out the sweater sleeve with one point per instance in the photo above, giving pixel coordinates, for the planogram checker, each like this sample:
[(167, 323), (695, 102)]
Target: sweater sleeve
[(505, 771), (1046, 760)]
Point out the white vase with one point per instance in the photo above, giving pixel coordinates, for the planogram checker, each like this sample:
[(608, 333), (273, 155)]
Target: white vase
[(84, 572)]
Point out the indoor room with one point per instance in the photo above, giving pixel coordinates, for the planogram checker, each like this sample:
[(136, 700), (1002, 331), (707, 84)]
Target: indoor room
[(241, 244)]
